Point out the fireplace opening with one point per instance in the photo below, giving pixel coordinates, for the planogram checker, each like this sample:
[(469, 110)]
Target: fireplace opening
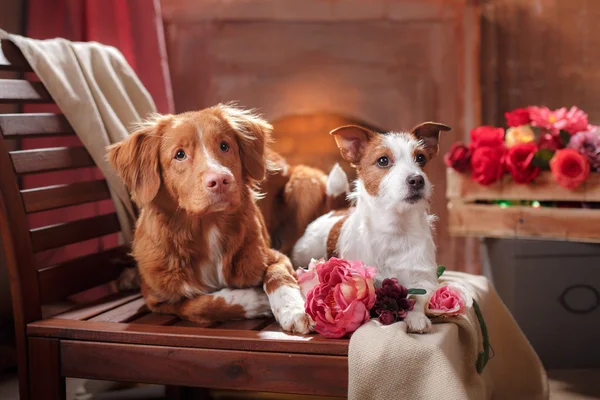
[(305, 139)]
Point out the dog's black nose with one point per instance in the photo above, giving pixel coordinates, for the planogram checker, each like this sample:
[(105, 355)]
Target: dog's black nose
[(416, 181)]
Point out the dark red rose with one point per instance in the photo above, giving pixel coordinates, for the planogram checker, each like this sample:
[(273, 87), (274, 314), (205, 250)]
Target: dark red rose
[(387, 317), (487, 136), (550, 141), (392, 303), (486, 165), (458, 158), (518, 162), (518, 117)]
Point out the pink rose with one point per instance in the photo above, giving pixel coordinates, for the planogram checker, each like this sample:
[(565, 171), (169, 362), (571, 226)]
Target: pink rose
[(307, 278), (573, 120), (449, 300), (341, 301)]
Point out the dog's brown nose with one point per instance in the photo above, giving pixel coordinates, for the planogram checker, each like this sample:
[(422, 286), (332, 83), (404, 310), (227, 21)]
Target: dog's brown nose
[(217, 181), (416, 181)]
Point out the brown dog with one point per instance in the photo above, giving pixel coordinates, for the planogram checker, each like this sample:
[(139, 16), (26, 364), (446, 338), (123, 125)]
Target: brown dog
[(201, 243)]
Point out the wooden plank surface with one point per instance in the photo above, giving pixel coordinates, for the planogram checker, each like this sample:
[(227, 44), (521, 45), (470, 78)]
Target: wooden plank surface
[(543, 188), (569, 224), (49, 237), (86, 311), (219, 369), (34, 125), (156, 319), (124, 313), (226, 339), (23, 92), (53, 159), (51, 197), (247, 324)]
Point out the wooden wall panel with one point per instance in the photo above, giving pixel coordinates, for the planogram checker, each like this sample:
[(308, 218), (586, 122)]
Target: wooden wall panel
[(390, 65), (542, 52)]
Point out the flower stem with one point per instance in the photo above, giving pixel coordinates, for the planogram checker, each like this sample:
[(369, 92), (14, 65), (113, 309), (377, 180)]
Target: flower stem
[(483, 357)]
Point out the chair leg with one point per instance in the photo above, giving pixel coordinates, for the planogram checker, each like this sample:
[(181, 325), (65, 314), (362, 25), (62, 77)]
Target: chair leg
[(45, 380)]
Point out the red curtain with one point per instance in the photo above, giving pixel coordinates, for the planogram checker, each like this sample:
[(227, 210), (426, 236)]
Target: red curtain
[(135, 28)]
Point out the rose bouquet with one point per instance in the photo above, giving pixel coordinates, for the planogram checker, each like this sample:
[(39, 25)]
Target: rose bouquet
[(341, 296), (536, 139)]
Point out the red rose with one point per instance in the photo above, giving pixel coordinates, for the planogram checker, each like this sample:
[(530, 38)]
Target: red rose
[(459, 157), (569, 168), (518, 117), (487, 136), (486, 165), (518, 161)]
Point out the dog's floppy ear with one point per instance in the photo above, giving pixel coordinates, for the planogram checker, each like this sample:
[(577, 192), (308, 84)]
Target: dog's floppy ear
[(253, 133), (351, 140), (136, 160), (429, 133)]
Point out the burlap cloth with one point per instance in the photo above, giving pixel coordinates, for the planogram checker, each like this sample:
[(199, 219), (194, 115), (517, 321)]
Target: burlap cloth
[(387, 363)]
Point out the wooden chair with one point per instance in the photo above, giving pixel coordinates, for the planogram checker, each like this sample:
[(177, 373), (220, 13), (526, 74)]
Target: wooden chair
[(115, 337)]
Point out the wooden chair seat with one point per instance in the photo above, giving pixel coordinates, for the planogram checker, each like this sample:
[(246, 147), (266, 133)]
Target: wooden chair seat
[(112, 338), (68, 321)]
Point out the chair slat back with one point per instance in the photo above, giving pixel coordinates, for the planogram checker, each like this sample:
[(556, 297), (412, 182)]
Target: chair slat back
[(27, 241), (50, 159), (18, 91), (20, 126)]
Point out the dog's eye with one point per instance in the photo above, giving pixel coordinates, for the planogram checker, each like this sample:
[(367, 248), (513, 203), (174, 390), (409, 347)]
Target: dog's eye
[(421, 159), (224, 147), (180, 155), (383, 162)]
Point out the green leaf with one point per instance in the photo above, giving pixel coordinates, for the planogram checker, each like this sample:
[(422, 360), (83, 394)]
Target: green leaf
[(440, 270), (565, 137), (537, 131), (417, 291), (542, 158)]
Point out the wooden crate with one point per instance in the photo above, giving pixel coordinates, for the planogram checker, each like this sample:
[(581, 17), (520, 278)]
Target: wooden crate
[(490, 220)]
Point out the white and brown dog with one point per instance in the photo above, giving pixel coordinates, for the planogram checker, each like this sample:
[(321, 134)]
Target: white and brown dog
[(389, 227)]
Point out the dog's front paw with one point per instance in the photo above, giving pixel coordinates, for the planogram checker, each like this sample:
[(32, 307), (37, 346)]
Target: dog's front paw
[(288, 308), (417, 322), (294, 319)]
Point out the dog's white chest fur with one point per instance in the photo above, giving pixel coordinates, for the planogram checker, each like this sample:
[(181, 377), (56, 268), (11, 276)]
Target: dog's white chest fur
[(211, 271), (400, 247)]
